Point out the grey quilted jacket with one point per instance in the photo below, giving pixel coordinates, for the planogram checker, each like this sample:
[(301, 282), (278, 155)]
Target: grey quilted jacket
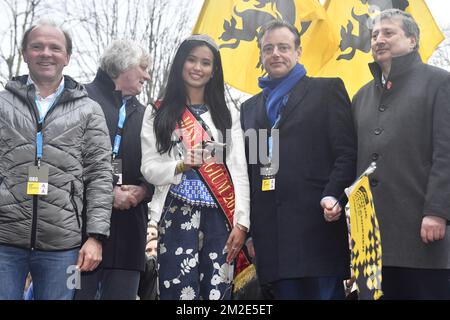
[(77, 151)]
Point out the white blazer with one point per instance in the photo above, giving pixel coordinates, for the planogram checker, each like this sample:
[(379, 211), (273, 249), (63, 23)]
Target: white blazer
[(159, 170)]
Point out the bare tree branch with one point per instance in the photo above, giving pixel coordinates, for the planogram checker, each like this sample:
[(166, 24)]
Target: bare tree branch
[(98, 22), (441, 58), (21, 15), (234, 97), (158, 25)]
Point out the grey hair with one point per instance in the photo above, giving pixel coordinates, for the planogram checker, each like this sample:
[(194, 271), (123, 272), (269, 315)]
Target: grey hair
[(409, 25), (122, 55), (47, 22), (277, 24)]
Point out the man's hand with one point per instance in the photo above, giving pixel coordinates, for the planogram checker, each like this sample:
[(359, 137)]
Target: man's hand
[(123, 198), (138, 193), (433, 228), (90, 255), (331, 210), (250, 248)]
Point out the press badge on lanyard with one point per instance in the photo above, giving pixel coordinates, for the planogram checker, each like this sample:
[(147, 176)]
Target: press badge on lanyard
[(117, 163), (117, 170), (37, 181), (267, 172)]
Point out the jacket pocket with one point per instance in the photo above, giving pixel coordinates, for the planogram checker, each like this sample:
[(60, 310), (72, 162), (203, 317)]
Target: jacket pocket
[(74, 204)]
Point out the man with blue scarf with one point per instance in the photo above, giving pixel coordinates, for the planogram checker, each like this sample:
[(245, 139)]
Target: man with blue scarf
[(299, 233)]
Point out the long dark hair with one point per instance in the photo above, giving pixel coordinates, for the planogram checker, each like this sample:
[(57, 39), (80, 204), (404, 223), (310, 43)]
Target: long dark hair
[(169, 113)]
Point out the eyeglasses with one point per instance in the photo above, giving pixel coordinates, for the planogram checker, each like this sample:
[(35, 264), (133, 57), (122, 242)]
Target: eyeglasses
[(270, 49)]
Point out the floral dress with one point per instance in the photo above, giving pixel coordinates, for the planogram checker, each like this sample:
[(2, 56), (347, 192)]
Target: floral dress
[(193, 232)]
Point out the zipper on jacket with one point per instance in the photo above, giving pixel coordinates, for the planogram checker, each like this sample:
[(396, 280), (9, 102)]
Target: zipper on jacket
[(74, 204), (35, 204), (34, 223), (34, 111)]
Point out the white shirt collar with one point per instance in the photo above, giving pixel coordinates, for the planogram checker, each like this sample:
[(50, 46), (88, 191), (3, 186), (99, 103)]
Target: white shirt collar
[(30, 82)]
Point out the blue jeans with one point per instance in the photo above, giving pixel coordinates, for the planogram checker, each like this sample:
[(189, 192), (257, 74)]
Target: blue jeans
[(48, 270)]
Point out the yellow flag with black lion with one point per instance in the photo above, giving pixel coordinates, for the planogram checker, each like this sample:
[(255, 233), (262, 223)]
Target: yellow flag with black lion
[(234, 25), (335, 37), (352, 25)]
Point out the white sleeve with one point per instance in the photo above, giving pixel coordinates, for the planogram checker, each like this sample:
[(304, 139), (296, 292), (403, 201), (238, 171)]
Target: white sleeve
[(158, 169), (237, 165)]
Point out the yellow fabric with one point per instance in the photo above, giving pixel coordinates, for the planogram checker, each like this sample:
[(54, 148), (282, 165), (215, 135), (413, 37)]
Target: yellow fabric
[(244, 277), (233, 24), (365, 241), (321, 42), (354, 71)]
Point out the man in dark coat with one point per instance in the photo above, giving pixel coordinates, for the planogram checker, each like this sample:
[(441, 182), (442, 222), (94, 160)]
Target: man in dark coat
[(122, 73), (402, 119), (299, 234)]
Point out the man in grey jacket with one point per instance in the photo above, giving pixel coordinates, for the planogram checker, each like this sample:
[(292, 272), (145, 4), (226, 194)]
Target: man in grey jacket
[(402, 120), (54, 146)]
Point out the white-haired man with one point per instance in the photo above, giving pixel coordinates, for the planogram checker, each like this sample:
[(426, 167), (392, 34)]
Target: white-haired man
[(120, 78)]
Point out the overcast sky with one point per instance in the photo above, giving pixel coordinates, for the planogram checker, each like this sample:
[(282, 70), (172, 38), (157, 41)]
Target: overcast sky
[(440, 10)]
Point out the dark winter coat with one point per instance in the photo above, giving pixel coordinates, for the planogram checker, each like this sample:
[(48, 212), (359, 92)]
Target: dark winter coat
[(405, 128), (317, 158), (125, 248)]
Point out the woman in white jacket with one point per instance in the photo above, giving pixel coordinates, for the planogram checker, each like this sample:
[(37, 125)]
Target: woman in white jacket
[(201, 204)]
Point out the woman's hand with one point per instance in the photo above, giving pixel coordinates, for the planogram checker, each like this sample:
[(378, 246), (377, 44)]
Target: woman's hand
[(193, 159), (235, 242)]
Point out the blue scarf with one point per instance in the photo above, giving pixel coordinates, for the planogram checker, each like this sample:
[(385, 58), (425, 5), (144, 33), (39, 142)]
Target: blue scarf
[(277, 91)]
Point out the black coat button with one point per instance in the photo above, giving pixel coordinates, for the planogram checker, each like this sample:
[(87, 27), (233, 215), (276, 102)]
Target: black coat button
[(382, 108), (378, 131), (373, 182), (375, 156)]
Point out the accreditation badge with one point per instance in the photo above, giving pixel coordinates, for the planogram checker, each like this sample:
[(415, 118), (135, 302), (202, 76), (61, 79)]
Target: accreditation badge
[(268, 178), (37, 184), (117, 170)]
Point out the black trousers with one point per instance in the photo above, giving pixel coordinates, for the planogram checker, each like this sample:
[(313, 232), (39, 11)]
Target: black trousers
[(108, 284), (318, 288), (415, 284)]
